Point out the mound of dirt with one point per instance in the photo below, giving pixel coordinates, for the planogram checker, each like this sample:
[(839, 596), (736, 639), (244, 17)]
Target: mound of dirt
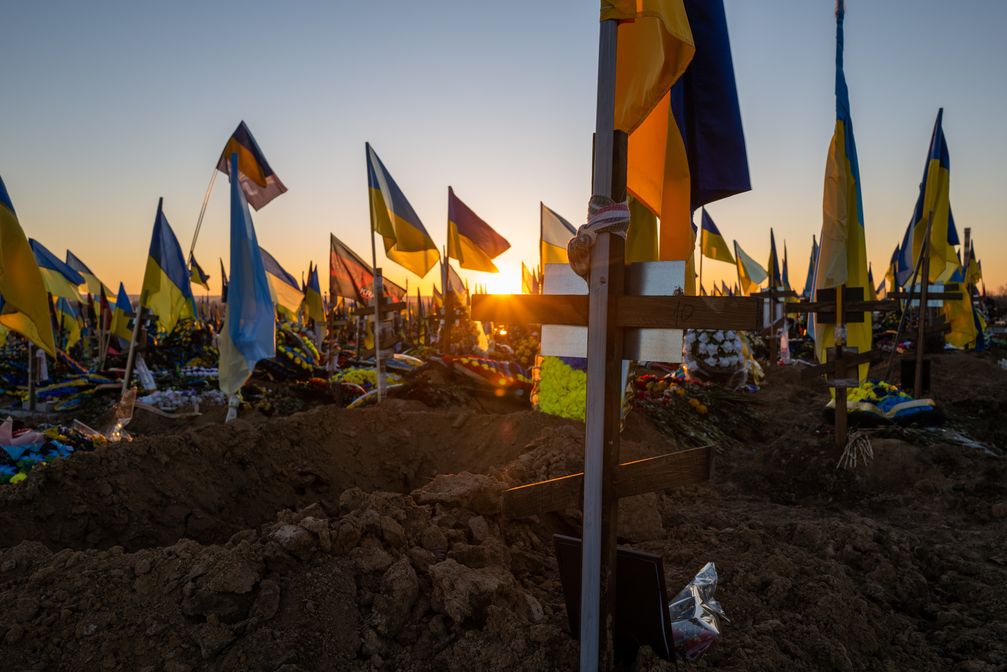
[(371, 540)]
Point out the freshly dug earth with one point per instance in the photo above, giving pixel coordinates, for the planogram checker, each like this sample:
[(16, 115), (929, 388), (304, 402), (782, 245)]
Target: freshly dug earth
[(371, 540)]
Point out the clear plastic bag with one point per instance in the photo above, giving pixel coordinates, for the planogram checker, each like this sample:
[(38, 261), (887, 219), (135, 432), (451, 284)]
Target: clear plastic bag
[(696, 615)]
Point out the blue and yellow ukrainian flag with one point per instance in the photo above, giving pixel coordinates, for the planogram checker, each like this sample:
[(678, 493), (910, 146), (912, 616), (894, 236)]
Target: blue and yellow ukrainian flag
[(711, 243), (933, 201), (284, 289), (249, 332), (973, 271), (197, 275), (122, 313), (258, 181), (554, 234), (24, 305), (166, 291), (472, 241), (655, 46), (95, 287), (69, 322), (842, 258), (750, 274), (59, 279), (407, 242), (313, 297)]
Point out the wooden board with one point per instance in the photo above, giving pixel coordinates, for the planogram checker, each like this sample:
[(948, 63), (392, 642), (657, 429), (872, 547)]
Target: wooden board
[(741, 313), (671, 470), (530, 309)]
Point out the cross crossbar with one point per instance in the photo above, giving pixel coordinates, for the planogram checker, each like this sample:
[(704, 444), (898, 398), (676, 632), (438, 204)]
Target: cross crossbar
[(671, 470), (644, 312)]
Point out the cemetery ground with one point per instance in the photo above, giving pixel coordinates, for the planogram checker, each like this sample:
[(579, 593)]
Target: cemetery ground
[(370, 539)]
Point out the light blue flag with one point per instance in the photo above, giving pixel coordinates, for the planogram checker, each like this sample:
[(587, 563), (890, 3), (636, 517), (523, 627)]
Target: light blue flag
[(249, 323)]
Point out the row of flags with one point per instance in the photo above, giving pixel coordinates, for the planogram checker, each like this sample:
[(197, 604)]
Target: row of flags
[(676, 99)]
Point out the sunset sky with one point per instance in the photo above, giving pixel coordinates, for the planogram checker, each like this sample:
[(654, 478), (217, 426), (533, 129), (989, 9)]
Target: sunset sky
[(109, 105)]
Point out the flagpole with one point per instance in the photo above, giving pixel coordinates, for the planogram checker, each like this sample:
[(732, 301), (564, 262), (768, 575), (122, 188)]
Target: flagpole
[(446, 295), (202, 211), (377, 306), (31, 377), (597, 572)]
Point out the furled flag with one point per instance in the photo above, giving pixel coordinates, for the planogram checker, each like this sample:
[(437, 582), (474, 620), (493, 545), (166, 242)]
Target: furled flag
[(785, 273), (68, 320), (284, 289), (712, 244), (471, 240), (121, 315), (258, 181), (973, 272), (95, 287), (166, 291), (59, 279), (933, 202), (809, 282), (870, 291), (407, 242), (457, 286), (197, 275), (313, 297), (555, 233), (248, 334), (773, 266), (24, 306), (842, 257), (529, 283), (892, 273), (750, 274), (223, 283), (724, 289)]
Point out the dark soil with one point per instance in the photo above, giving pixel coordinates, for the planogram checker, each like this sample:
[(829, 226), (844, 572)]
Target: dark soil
[(371, 540)]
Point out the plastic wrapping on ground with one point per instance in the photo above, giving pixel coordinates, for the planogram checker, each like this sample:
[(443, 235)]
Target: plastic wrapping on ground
[(695, 615)]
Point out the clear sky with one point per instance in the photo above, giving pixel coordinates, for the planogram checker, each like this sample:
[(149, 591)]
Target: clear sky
[(109, 105)]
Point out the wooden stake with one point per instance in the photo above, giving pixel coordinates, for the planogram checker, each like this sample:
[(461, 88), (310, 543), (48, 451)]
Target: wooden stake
[(841, 424), (921, 332), (31, 377), (132, 349)]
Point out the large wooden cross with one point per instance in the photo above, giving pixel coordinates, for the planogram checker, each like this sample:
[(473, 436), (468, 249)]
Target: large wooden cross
[(620, 335)]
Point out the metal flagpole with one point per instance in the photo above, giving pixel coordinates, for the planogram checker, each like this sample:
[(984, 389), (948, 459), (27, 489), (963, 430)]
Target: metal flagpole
[(595, 440), (202, 211)]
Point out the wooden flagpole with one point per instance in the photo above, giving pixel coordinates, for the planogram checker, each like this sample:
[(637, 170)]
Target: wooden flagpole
[(377, 306), (922, 327)]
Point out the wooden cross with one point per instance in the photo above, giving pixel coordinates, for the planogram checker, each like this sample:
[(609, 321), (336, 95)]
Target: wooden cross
[(841, 306), (773, 296), (630, 323)]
